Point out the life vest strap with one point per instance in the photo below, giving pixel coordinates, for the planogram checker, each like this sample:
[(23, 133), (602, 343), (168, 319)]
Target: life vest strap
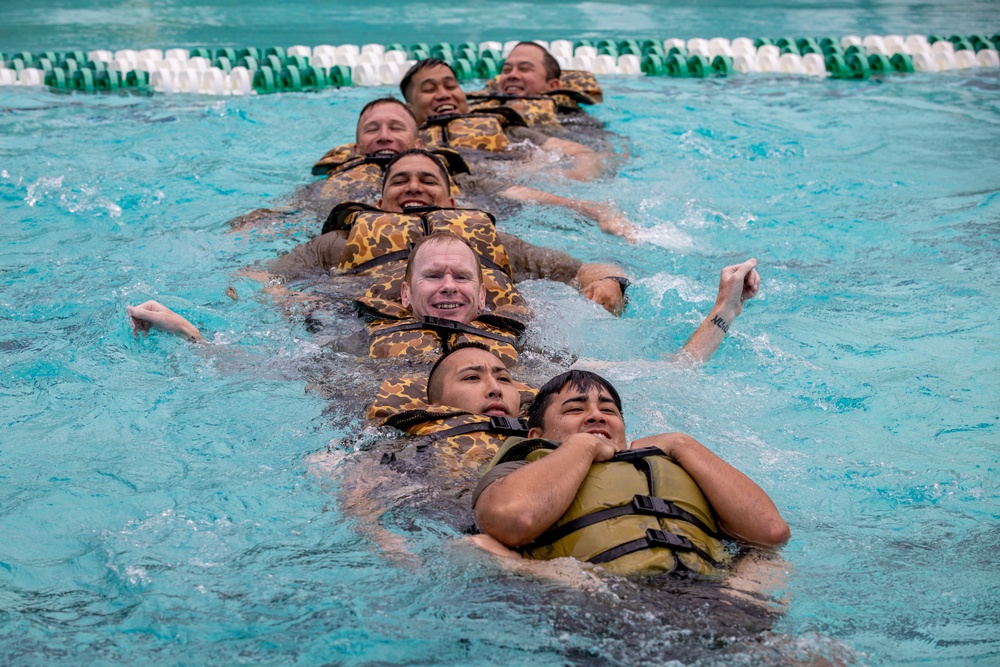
[(654, 538), (505, 426), (644, 505), (446, 327)]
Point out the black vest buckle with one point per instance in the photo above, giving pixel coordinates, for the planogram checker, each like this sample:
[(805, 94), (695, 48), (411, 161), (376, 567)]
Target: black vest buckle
[(634, 454), (508, 425), (661, 538)]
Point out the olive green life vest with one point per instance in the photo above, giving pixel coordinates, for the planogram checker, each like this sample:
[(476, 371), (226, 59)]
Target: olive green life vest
[(640, 513)]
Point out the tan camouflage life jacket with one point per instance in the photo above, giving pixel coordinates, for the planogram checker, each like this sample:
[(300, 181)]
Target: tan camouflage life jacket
[(379, 244), (353, 172), (466, 441), (640, 513), (576, 87), (481, 130)]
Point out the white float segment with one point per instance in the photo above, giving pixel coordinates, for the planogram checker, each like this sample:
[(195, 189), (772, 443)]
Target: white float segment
[(874, 44), (988, 58), (790, 63), (508, 47), (179, 55), (671, 43), (351, 49), (299, 50), (814, 64), (100, 56), (397, 57), (582, 62), (768, 51), (364, 75), (324, 50), (850, 40), (697, 47), (149, 54), (240, 81), (917, 43), (585, 52), (213, 82), (945, 60), (743, 46), (8, 77), (561, 47), (768, 62), (389, 74), (629, 64), (965, 59), (942, 46), (924, 62), (199, 64), (745, 63), (373, 48), (31, 76), (605, 64)]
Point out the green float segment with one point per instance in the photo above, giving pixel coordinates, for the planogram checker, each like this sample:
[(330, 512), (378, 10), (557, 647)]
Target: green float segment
[(273, 69)]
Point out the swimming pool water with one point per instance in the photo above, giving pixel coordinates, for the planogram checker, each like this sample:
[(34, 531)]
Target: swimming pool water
[(155, 504)]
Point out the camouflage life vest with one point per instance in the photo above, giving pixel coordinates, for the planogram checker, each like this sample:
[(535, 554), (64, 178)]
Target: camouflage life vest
[(576, 87), (481, 130), (639, 513), (379, 243), (427, 338), (350, 172), (467, 441)]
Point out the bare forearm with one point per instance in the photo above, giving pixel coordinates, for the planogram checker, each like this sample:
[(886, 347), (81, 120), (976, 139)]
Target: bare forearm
[(521, 506), (709, 335), (745, 511)]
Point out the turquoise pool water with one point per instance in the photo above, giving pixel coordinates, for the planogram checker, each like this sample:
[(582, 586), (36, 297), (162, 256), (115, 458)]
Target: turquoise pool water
[(155, 505)]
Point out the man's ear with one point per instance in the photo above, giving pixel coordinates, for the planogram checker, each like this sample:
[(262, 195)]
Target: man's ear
[(404, 294), (452, 202), (482, 297), (419, 143), (379, 203), (534, 432), (552, 84)]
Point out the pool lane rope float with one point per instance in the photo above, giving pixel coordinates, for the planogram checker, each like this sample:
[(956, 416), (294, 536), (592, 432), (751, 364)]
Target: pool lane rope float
[(247, 71)]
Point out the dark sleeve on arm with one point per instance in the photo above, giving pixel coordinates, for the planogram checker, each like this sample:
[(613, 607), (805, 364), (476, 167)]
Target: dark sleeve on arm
[(495, 473), (530, 261), (320, 254)]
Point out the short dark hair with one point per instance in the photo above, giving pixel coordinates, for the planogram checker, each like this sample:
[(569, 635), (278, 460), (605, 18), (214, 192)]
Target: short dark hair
[(551, 65), (583, 381), (378, 101), (434, 389), (407, 80), (417, 151)]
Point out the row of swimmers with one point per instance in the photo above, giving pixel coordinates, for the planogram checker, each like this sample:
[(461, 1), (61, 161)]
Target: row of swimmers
[(437, 285)]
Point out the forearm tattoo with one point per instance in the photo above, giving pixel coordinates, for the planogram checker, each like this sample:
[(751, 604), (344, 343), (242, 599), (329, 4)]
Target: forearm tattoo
[(721, 323)]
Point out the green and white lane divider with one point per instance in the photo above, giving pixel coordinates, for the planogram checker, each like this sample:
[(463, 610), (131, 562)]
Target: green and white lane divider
[(248, 71)]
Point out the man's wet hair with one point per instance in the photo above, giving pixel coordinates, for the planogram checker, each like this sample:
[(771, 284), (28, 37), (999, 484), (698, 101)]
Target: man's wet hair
[(417, 151), (434, 388), (378, 101), (439, 237), (407, 81), (551, 65), (582, 381)]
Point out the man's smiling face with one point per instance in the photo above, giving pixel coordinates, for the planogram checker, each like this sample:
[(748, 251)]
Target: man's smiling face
[(444, 282), (434, 91), (414, 180), (574, 411)]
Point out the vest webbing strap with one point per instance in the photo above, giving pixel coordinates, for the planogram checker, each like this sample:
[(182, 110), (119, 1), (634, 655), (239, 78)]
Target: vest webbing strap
[(501, 425), (446, 327), (654, 538), (383, 259), (644, 505)]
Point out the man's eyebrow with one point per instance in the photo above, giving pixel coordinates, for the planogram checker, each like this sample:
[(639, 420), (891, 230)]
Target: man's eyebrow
[(471, 367), (579, 398)]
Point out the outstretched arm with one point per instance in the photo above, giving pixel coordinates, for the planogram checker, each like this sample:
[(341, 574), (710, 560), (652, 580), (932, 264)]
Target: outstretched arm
[(587, 165), (152, 314), (744, 510), (607, 217), (521, 506), (737, 284)]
